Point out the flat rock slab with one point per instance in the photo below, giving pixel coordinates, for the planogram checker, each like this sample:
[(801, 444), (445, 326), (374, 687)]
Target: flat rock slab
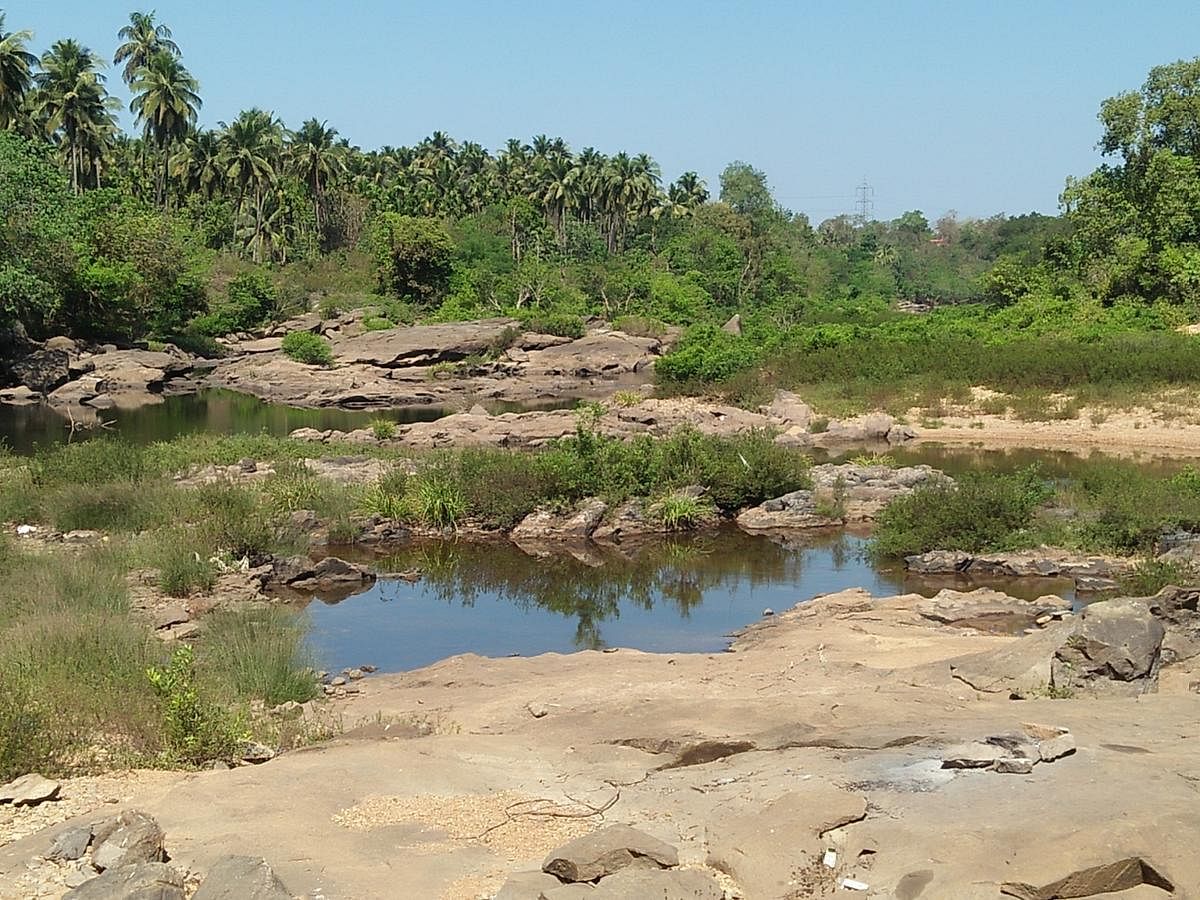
[(527, 886), (242, 878), (71, 844), (659, 884), (29, 790), (973, 755), (762, 848), (140, 881), (606, 851)]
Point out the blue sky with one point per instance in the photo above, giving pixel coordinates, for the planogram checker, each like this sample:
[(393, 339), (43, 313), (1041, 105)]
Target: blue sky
[(981, 107)]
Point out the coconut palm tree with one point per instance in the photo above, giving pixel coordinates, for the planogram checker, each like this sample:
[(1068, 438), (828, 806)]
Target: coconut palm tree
[(16, 73), (143, 38), (166, 102), (197, 163), (75, 106), (316, 157), (687, 192), (250, 151)]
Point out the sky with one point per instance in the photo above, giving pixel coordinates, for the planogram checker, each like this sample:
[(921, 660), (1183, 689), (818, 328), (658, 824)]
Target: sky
[(977, 106)]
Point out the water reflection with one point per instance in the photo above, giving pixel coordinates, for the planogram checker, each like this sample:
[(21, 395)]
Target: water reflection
[(25, 428), (684, 594)]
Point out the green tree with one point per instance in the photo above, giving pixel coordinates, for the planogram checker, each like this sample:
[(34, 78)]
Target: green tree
[(745, 189), (413, 256), (142, 39), (16, 73), (74, 103), (166, 103), (316, 158)]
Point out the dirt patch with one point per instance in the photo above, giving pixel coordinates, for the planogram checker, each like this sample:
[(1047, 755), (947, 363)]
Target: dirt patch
[(514, 825)]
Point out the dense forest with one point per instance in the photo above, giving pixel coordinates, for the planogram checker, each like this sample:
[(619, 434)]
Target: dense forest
[(185, 234)]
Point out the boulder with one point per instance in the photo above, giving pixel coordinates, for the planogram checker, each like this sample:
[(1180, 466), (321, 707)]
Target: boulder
[(42, 370), (132, 837), (241, 878), (139, 881), (1013, 765), (789, 409), (576, 525), (1115, 646), (29, 790), (422, 345), (606, 851), (733, 326), (605, 355), (327, 573), (61, 342), (972, 755)]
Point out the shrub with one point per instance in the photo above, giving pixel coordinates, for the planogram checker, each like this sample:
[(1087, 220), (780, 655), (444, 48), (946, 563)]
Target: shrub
[(251, 301), (383, 429), (234, 520), (559, 324), (641, 326), (182, 567), (377, 323), (308, 348), (626, 399), (1151, 575), (707, 354), (982, 511), (119, 506), (195, 730), (680, 512)]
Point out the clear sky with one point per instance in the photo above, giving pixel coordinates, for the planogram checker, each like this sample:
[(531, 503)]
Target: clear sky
[(982, 106)]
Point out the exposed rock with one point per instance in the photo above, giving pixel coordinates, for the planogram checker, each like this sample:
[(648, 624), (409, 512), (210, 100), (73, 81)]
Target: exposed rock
[(61, 342), (658, 884), (567, 892), (138, 881), (1043, 563), (545, 525), (840, 494), (527, 886), (132, 837), (763, 847), (255, 753), (1056, 747), (1115, 645), (973, 755), (733, 326), (348, 469), (171, 614), (627, 521), (606, 851), (537, 710), (19, 396), (422, 345), (1013, 765), (1122, 875), (1179, 610), (71, 844), (788, 409), (603, 355), (42, 370), (982, 608), (327, 573), (241, 878), (29, 790)]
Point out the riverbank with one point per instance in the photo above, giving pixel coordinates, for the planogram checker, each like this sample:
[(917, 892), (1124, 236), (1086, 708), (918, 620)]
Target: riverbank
[(705, 752)]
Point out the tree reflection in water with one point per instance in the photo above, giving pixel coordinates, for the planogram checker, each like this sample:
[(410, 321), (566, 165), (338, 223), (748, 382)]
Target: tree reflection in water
[(677, 572)]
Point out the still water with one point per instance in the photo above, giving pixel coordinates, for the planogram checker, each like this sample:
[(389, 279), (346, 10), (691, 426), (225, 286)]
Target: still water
[(681, 595), (25, 428)]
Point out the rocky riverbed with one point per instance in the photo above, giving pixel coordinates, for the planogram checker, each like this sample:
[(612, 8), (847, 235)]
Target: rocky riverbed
[(911, 771)]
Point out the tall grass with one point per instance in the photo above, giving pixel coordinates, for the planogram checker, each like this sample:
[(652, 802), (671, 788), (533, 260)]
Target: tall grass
[(258, 654)]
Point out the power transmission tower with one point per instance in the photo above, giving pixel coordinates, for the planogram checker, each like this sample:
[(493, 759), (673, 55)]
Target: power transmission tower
[(864, 204)]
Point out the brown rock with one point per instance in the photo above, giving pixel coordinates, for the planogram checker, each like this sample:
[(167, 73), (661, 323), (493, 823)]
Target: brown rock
[(139, 881), (29, 790), (241, 878), (135, 837), (606, 851)]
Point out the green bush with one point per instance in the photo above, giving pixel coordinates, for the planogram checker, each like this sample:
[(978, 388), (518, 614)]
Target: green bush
[(559, 324), (707, 354), (183, 565), (412, 256), (308, 348), (377, 323), (641, 326), (251, 301), (195, 729), (1151, 575), (383, 429), (981, 511)]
